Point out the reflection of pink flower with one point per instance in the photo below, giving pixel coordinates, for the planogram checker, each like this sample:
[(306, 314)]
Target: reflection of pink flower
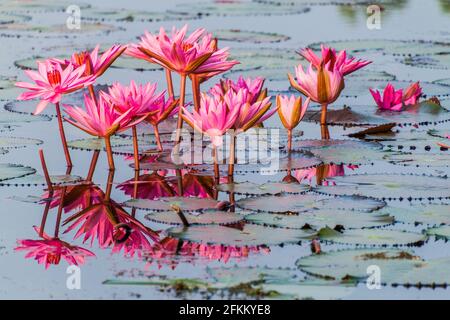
[(325, 171), (395, 100), (166, 251), (76, 197), (337, 61), (50, 250), (51, 82), (149, 186), (95, 222)]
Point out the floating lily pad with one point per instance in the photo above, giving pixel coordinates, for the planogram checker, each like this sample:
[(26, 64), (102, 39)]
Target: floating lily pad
[(395, 47), (8, 18), (198, 218), (389, 186), (165, 204), (40, 6), (429, 214), (38, 180), (10, 171), (445, 82), (265, 58), (8, 90), (371, 237), (419, 159), (13, 118), (18, 142), (273, 188), (249, 36), (240, 8), (92, 144), (353, 264), (436, 61), (250, 235), (121, 15), (442, 232), (307, 202), (318, 219)]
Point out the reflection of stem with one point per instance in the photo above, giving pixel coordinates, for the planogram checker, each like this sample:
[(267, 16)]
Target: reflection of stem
[(45, 170), (180, 111), (135, 149), (109, 184), (232, 155), (157, 137), (169, 82), (63, 135), (109, 153), (60, 209), (196, 91), (323, 122), (92, 93), (135, 191), (231, 196), (181, 215), (44, 216), (289, 140), (92, 165), (180, 182)]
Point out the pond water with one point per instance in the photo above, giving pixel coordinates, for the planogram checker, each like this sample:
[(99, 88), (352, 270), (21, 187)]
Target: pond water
[(262, 252)]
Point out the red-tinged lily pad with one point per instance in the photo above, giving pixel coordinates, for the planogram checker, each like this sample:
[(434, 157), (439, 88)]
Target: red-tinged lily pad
[(249, 235), (10, 171), (318, 219), (389, 186), (168, 203), (268, 188), (307, 202), (211, 216)]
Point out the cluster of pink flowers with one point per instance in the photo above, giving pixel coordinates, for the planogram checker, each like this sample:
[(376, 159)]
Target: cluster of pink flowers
[(397, 100)]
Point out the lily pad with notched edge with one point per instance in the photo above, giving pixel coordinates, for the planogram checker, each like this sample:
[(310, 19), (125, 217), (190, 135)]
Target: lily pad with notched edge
[(10, 171), (307, 202), (371, 237), (164, 204), (250, 235), (273, 188), (389, 186), (427, 214), (211, 216), (318, 219)]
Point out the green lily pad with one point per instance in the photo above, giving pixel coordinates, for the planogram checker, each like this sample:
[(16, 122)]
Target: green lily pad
[(371, 237), (306, 203), (38, 180), (13, 118), (211, 216), (314, 144), (442, 232), (265, 58), (10, 171), (273, 188), (250, 235), (18, 142), (389, 186), (8, 18), (429, 214), (121, 15), (164, 204), (439, 133), (241, 8), (353, 264), (58, 30), (92, 144), (435, 61), (318, 219), (394, 47), (237, 35), (40, 6), (419, 159)]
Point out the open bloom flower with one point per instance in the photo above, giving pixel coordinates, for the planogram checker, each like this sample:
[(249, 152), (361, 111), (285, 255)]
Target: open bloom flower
[(254, 87), (101, 119), (94, 63), (213, 118), (395, 100), (50, 250), (291, 110), (75, 197), (323, 86), (196, 53), (51, 82), (333, 61)]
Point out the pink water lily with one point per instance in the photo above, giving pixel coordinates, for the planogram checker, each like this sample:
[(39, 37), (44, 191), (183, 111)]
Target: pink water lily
[(52, 82), (395, 100), (291, 112), (254, 87), (48, 251), (333, 60)]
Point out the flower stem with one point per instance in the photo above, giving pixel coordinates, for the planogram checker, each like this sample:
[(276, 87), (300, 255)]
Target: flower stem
[(63, 135), (45, 170), (181, 104), (323, 122), (216, 165), (169, 83), (196, 91), (157, 137), (109, 153), (135, 149), (92, 165), (289, 140), (232, 156)]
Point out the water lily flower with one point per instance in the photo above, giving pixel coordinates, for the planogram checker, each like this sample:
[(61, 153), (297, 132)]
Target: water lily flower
[(395, 100), (149, 186), (333, 61), (48, 251), (322, 173), (254, 87), (101, 120), (291, 112), (51, 83)]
